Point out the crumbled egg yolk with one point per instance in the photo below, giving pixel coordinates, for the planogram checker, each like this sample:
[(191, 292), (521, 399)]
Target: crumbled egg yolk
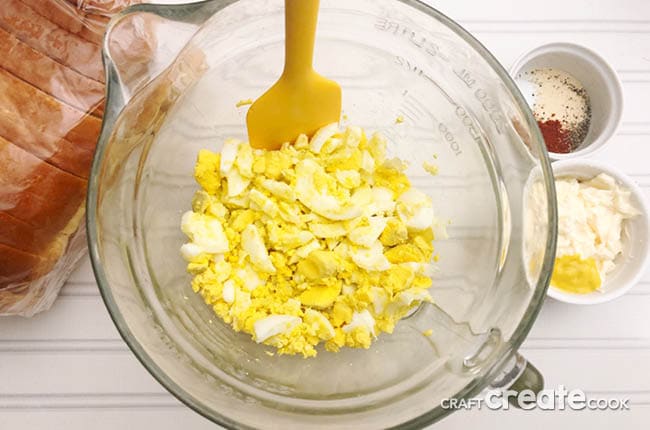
[(430, 168), (323, 241)]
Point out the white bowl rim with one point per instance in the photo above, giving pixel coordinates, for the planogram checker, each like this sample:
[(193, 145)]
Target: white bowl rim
[(565, 168), (601, 66)]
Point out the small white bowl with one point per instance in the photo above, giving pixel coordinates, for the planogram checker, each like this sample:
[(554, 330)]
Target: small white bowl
[(597, 77), (632, 262)]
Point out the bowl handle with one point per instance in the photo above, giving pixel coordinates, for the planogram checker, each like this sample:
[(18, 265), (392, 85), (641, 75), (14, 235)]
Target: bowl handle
[(518, 375), (137, 45)]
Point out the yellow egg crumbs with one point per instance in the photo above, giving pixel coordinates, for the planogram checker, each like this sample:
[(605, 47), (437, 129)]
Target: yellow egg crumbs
[(430, 168), (244, 102), (321, 242)]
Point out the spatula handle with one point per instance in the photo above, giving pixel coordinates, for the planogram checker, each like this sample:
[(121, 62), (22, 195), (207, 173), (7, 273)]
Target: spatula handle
[(300, 31)]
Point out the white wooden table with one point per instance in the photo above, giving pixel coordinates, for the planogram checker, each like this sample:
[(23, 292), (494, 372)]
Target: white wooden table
[(69, 369)]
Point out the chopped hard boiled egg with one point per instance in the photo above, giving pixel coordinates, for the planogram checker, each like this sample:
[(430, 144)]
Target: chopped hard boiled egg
[(321, 242)]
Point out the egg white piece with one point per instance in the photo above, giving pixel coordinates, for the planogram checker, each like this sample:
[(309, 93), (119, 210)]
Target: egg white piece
[(382, 199), (228, 292), (325, 231), (413, 197), (242, 301), (364, 198), (409, 296), (229, 154), (305, 250), (344, 214), (241, 201), (367, 162), (274, 325), (361, 319), (322, 136), (254, 246), (322, 321), (362, 195), (372, 259), (244, 160), (249, 278), (419, 214), (236, 183), (422, 219), (289, 213), (353, 136), (348, 178), (321, 203), (367, 235), (205, 232), (348, 289), (379, 299), (263, 203), (190, 251), (279, 189)]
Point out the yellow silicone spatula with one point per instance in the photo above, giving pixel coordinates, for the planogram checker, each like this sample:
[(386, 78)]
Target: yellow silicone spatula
[(301, 101)]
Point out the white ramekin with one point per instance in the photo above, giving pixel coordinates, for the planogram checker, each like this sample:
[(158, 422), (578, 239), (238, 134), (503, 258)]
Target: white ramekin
[(631, 264), (597, 77)]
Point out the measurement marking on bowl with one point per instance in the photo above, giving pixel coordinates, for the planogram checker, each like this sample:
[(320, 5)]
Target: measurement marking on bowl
[(411, 111), (480, 94), (416, 105), (492, 109), (450, 139), (468, 122), (400, 30), (406, 64), (405, 115), (465, 77), (443, 128), (401, 61), (489, 105)]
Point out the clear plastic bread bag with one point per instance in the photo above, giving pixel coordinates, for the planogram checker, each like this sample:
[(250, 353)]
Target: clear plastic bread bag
[(51, 107)]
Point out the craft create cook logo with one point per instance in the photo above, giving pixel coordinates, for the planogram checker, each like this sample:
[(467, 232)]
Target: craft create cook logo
[(557, 399)]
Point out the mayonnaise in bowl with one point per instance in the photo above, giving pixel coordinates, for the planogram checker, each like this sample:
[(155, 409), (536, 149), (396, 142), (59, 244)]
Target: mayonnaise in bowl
[(602, 244)]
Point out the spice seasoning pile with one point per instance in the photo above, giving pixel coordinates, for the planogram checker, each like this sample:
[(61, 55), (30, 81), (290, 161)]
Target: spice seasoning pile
[(561, 107)]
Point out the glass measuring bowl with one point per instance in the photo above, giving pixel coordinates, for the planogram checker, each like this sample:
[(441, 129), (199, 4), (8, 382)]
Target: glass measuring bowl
[(392, 58)]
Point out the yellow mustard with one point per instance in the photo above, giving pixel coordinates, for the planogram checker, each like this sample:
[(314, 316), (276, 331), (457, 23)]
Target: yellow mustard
[(574, 274)]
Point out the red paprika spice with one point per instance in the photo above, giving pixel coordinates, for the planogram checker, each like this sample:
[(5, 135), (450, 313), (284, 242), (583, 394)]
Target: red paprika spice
[(557, 139)]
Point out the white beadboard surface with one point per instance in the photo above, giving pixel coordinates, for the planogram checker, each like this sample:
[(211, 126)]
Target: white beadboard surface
[(69, 369)]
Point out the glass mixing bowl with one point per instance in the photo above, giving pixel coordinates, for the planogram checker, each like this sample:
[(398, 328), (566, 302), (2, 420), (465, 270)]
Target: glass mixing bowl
[(392, 58)]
